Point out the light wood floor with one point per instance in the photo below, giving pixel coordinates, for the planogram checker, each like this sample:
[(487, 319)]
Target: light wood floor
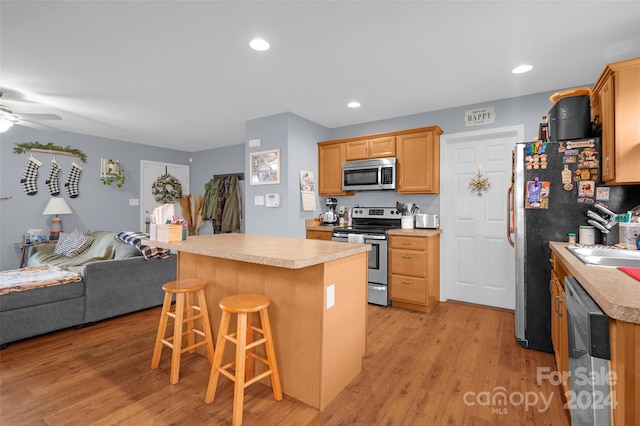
[(419, 369)]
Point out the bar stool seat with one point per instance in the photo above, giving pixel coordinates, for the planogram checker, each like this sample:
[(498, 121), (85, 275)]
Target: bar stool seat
[(186, 291), (244, 305)]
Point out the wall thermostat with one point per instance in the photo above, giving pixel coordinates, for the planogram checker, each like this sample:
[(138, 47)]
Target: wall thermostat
[(272, 200)]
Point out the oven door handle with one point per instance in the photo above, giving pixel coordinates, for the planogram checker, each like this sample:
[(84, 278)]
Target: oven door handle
[(375, 237), (377, 287), (365, 236)]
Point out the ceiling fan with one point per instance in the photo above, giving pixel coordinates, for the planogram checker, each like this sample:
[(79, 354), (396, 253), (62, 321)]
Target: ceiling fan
[(8, 118)]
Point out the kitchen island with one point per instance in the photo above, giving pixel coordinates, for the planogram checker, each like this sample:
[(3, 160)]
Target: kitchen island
[(318, 292)]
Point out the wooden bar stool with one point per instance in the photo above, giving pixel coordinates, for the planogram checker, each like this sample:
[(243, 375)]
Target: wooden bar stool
[(244, 305), (185, 290)]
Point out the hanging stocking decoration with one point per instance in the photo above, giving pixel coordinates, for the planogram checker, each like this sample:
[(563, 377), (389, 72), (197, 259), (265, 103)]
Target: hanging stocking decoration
[(29, 179), (52, 180), (73, 180)]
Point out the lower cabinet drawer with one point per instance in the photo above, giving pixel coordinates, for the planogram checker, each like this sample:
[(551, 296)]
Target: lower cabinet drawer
[(408, 262), (410, 289), (319, 235)]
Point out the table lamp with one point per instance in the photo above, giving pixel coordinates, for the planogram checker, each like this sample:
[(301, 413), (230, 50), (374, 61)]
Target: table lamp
[(56, 206)]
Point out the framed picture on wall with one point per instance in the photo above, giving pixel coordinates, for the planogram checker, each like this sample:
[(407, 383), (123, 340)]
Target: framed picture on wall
[(265, 167)]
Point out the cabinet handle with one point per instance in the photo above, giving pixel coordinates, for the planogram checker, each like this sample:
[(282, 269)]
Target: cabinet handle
[(551, 287), (407, 257), (559, 303), (407, 282), (406, 243)]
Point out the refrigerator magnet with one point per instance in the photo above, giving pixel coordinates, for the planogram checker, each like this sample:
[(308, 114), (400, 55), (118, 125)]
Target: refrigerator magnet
[(587, 189), (537, 194)]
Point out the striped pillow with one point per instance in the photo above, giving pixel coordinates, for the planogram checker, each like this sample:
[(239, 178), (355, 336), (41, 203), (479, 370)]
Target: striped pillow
[(73, 244)]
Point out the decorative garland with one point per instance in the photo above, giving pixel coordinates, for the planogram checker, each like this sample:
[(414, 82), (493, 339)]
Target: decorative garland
[(28, 146), (166, 189), (479, 184)]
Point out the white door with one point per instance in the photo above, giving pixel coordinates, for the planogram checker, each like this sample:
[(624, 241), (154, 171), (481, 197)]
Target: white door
[(149, 172), (478, 263)]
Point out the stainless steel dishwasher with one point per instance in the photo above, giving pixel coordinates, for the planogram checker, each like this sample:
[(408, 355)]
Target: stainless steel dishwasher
[(590, 396)]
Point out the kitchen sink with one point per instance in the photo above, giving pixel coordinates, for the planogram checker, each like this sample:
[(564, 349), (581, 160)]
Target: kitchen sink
[(604, 256)]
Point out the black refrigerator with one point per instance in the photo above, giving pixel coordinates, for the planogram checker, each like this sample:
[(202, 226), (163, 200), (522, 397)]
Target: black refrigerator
[(554, 185)]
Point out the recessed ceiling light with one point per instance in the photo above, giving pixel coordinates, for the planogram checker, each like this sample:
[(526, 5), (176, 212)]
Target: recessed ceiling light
[(259, 44), (521, 69), (353, 104)]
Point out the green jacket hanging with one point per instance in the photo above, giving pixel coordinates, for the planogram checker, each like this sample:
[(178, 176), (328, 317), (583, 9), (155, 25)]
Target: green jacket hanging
[(210, 201)]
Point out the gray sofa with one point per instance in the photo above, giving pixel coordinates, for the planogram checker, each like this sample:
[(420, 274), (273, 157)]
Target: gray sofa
[(116, 280)]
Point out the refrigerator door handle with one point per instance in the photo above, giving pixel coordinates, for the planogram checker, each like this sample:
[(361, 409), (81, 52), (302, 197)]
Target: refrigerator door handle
[(510, 225)]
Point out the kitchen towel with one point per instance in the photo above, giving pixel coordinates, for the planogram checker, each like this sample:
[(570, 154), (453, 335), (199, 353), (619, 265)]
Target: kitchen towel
[(633, 272), (355, 238)]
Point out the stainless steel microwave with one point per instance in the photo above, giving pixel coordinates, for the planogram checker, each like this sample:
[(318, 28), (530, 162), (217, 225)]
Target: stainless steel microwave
[(369, 175)]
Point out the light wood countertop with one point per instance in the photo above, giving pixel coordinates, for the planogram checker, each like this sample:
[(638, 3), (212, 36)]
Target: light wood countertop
[(614, 291), (292, 253), (416, 232)]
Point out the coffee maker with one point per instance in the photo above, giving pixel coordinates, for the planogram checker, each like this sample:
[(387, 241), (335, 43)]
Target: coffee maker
[(329, 217)]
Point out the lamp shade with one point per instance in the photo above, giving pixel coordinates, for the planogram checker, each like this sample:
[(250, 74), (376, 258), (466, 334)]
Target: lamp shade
[(57, 206)]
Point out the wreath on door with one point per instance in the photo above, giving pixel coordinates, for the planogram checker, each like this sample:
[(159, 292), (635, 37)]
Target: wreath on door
[(166, 189)]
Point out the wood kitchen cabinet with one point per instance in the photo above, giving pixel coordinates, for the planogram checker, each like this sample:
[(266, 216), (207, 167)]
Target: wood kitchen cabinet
[(417, 152), (418, 157), (414, 271), (615, 102), (319, 235), (330, 159), (624, 341), (363, 149), (559, 323)]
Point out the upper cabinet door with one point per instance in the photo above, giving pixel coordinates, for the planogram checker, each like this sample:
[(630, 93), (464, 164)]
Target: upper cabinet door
[(356, 150), (330, 159), (418, 157), (616, 102), (363, 149), (382, 147)]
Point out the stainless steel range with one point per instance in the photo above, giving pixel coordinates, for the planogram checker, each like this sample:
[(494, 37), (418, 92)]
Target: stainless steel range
[(370, 225)]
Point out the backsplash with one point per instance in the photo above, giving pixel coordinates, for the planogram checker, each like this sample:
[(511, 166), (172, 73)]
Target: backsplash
[(428, 203)]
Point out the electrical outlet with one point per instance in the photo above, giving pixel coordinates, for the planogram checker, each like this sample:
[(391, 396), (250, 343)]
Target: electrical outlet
[(331, 296)]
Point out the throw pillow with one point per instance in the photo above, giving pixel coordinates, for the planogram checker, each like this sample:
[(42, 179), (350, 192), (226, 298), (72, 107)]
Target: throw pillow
[(74, 244), (125, 251)]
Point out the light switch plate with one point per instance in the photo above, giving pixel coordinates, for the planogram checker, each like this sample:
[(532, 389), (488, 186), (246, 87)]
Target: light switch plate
[(258, 200), (134, 201)]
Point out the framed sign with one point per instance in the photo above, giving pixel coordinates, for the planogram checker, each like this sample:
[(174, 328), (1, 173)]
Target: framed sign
[(265, 167)]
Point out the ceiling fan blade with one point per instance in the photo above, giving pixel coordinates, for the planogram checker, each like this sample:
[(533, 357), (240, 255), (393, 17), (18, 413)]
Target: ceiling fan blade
[(38, 116), (38, 126), (15, 95)]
